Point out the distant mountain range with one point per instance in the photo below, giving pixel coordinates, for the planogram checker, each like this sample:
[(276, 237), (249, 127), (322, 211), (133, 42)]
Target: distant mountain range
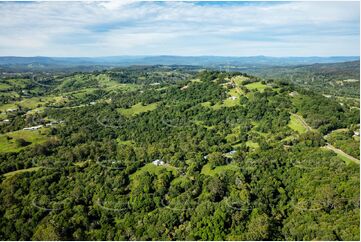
[(251, 61)]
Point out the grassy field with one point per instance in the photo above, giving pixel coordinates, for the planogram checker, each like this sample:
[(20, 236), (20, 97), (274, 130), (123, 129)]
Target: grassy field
[(345, 159), (256, 86), (137, 109), (238, 80), (297, 125), (21, 83), (12, 173), (252, 144), (32, 103), (342, 155), (201, 123), (4, 86), (206, 169), (153, 169), (219, 105), (33, 136)]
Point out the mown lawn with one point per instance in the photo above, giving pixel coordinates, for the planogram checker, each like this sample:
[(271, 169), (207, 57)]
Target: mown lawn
[(296, 125), (32, 136), (256, 86), (206, 169), (12, 173), (153, 169), (4, 86), (137, 109)]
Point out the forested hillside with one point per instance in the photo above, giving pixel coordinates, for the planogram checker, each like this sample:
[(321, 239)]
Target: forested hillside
[(176, 153), (337, 79)]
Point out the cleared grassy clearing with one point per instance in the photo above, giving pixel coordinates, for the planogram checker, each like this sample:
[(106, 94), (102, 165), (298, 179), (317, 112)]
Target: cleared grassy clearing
[(226, 103), (13, 173), (33, 103), (345, 157), (7, 106), (32, 136), (296, 124), (256, 86), (252, 144), (4, 86), (153, 169), (195, 80), (206, 104), (125, 142), (238, 80), (179, 180), (201, 123), (137, 109), (236, 92), (206, 169), (19, 82)]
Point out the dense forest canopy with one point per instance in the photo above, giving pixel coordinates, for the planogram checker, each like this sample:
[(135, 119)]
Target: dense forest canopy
[(176, 153)]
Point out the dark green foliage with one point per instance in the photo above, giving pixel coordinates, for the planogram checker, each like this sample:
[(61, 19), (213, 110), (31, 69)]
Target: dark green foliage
[(95, 181)]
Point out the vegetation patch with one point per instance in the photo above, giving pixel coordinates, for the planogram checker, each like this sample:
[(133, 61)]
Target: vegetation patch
[(296, 124), (207, 169), (9, 142), (137, 109), (256, 86)]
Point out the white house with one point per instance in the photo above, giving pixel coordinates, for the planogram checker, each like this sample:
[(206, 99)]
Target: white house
[(232, 152), (158, 162), (233, 98), (33, 128)]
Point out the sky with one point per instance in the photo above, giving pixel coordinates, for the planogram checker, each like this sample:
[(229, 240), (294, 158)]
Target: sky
[(128, 27)]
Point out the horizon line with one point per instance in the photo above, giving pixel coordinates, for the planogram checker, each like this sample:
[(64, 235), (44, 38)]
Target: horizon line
[(168, 55)]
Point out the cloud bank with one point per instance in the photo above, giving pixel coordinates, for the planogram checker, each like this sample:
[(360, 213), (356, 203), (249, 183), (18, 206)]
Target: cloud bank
[(179, 28)]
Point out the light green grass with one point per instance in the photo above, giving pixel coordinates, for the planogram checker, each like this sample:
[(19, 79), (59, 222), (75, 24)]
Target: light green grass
[(201, 123), (33, 136), (234, 136), (206, 104), (344, 158), (206, 169), (4, 86), (235, 92), (33, 103), (3, 116), (230, 103), (137, 109), (125, 142), (12, 173), (252, 144), (296, 125), (219, 105), (153, 169), (21, 83), (179, 180), (256, 86), (239, 79), (7, 106)]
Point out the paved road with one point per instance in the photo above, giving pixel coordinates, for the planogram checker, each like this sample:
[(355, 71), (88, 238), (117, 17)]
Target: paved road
[(338, 151), (328, 146)]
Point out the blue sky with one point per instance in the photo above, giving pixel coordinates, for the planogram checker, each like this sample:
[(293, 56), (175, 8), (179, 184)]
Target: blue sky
[(129, 27)]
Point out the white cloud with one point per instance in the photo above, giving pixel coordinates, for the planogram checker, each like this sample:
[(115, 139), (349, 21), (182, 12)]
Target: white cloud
[(132, 27)]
